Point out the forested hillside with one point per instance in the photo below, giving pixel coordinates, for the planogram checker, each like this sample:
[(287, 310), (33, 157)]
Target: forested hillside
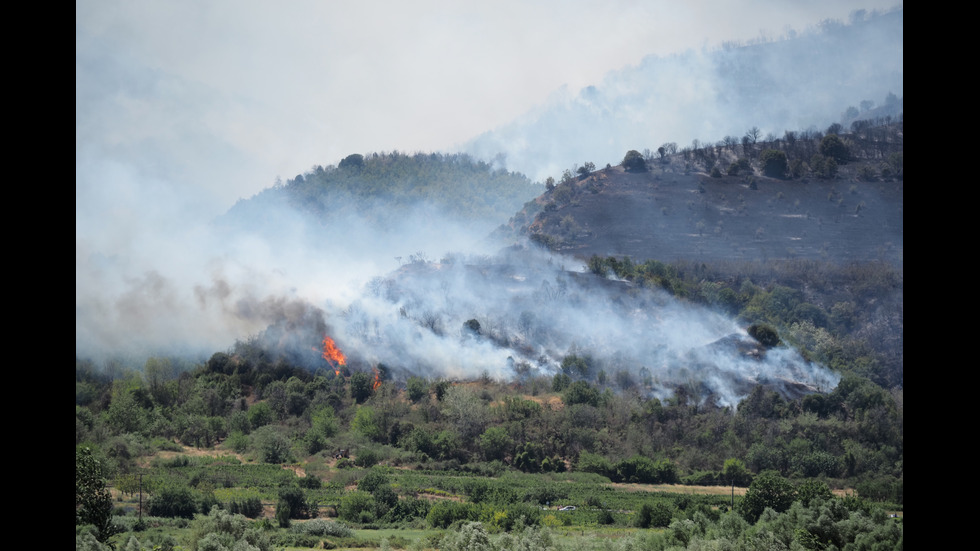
[(388, 186)]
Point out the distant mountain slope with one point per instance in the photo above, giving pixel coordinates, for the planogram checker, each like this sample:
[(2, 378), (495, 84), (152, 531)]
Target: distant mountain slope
[(380, 186), (792, 83)]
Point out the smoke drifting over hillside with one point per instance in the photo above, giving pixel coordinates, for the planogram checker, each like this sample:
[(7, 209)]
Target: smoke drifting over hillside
[(800, 81), (287, 279), (522, 314), (180, 108)]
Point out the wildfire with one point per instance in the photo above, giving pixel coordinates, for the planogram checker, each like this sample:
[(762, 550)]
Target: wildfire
[(333, 354), (377, 379)]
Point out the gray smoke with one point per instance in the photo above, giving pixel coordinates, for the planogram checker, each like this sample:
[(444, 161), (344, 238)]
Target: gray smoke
[(801, 80), (532, 312)]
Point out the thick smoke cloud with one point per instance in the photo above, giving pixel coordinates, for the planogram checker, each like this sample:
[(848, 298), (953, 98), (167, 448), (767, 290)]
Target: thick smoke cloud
[(285, 280), (531, 313), (200, 285)]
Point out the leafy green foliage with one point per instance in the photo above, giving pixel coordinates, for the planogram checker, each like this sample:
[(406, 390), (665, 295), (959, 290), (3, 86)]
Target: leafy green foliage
[(765, 334), (293, 504), (655, 515), (93, 503), (774, 163), (361, 386), (833, 146), (768, 491), (272, 445), (634, 161), (417, 388), (173, 501)]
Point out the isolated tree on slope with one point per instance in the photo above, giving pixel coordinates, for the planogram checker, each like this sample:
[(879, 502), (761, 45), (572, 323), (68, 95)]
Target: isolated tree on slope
[(634, 161)]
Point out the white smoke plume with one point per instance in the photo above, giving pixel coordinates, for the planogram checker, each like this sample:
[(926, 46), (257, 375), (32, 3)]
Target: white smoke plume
[(794, 82), (531, 313), (380, 293)]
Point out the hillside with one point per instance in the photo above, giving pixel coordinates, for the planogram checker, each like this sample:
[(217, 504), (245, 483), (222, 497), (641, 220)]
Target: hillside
[(678, 210)]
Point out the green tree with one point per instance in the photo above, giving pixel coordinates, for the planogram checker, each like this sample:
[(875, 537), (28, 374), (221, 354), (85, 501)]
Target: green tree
[(774, 163), (495, 443), (734, 472), (293, 504), (811, 489), (93, 503), (173, 500), (365, 423), (768, 490), (354, 162), (417, 388), (581, 392), (361, 386), (634, 161), (657, 515), (356, 506), (832, 146), (260, 414), (765, 334), (273, 446)]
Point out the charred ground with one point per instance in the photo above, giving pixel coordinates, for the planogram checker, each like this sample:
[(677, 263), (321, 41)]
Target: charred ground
[(694, 206)]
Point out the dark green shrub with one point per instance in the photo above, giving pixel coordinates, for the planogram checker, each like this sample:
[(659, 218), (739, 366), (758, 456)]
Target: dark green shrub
[(294, 501), (605, 517), (767, 490), (172, 501), (774, 163), (634, 161), (833, 147), (366, 458), (250, 507), (375, 478), (310, 482), (765, 334), (356, 507)]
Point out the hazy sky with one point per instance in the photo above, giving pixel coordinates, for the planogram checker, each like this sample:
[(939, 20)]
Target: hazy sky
[(197, 104)]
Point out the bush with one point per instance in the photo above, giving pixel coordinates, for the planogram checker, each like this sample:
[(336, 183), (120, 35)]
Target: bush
[(765, 334), (634, 161), (272, 445), (221, 530), (356, 507), (657, 515), (366, 458), (768, 490), (320, 527), (417, 388), (833, 147), (374, 479), (294, 504), (774, 163), (310, 482), (250, 507), (444, 513), (172, 501)]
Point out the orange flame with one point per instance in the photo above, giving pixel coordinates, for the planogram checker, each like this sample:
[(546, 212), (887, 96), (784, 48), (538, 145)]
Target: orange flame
[(377, 379), (333, 354)]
